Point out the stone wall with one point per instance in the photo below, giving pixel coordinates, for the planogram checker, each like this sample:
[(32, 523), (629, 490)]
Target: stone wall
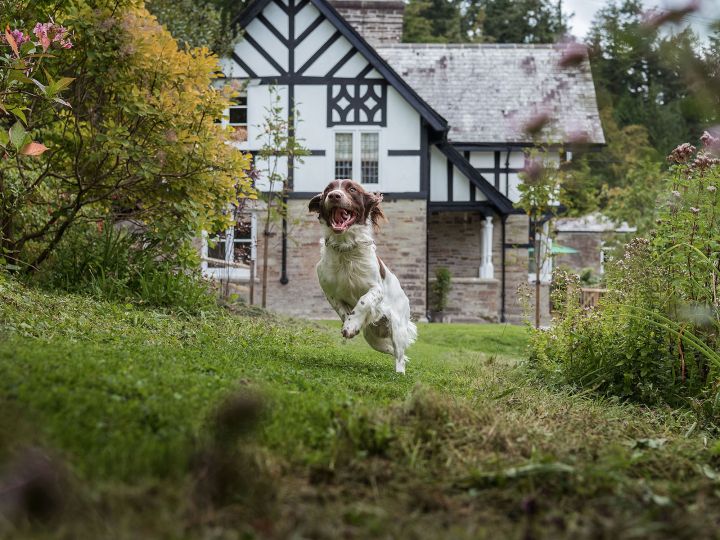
[(454, 242), (471, 300), (400, 244), (380, 22)]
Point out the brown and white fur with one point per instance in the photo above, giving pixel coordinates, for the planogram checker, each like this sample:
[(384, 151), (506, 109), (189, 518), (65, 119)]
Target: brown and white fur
[(361, 289)]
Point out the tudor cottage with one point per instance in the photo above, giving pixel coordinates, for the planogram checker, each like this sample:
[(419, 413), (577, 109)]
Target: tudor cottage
[(438, 129)]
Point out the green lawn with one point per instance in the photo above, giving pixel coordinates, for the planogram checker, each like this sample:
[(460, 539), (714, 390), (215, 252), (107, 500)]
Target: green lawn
[(468, 444)]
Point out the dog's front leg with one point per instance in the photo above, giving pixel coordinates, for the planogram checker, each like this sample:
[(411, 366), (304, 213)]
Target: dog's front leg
[(358, 317), (341, 308)]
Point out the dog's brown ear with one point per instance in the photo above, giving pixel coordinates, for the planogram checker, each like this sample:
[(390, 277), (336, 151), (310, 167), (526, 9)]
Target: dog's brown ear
[(315, 203), (372, 207)]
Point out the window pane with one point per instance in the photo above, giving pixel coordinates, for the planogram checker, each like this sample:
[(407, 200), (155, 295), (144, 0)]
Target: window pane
[(369, 157), (243, 230), (238, 115), (217, 251), (343, 156)]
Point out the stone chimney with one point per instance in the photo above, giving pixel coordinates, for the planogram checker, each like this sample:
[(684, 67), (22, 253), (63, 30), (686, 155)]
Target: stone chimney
[(380, 22)]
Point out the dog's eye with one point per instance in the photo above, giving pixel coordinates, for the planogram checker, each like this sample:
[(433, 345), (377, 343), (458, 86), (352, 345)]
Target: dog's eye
[(352, 190)]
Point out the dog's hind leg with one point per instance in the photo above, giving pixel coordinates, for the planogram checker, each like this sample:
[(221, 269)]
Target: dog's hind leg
[(400, 341)]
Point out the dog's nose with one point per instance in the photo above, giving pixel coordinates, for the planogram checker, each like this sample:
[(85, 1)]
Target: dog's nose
[(334, 196)]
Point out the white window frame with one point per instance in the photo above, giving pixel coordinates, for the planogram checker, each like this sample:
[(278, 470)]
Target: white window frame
[(226, 118), (230, 273), (355, 131)]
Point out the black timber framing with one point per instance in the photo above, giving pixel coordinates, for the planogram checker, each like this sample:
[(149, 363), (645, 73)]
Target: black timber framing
[(450, 180), (337, 67), (274, 31), (484, 207), (302, 80), (471, 187), (424, 158), (309, 30), (317, 54), (247, 37), (243, 65), (404, 152), (501, 202), (387, 195), (497, 169), (432, 117)]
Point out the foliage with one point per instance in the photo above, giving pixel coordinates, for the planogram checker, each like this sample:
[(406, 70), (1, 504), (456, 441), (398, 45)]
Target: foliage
[(131, 400), (654, 337), (656, 84), (432, 21), (116, 264), (280, 152), (21, 57), (622, 179), (139, 144), (204, 23), (496, 21), (522, 21), (541, 193), (441, 288), (642, 73)]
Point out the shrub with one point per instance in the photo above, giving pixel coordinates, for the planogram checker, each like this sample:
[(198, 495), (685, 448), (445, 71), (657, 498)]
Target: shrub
[(441, 288), (654, 336), (138, 141), (116, 264)]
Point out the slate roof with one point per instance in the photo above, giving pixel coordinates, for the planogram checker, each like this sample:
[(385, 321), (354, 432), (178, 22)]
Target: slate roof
[(488, 92)]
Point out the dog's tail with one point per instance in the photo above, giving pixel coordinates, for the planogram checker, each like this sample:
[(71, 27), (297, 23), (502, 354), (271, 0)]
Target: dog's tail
[(412, 332)]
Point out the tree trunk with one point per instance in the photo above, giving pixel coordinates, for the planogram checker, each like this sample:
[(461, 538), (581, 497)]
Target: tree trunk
[(538, 262), (265, 264)]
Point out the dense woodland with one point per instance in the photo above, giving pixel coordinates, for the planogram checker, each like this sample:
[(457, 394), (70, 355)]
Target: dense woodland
[(665, 91)]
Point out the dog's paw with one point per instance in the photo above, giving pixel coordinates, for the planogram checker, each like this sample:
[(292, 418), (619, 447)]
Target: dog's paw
[(350, 329)]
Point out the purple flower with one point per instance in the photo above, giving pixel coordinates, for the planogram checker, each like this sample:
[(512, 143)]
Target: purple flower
[(712, 189), (676, 194), (19, 37), (694, 210)]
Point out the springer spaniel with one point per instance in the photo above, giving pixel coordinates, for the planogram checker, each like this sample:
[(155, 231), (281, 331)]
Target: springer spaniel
[(361, 289)]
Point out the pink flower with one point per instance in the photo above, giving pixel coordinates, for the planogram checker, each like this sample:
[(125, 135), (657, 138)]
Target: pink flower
[(49, 33), (682, 153), (704, 160), (41, 32)]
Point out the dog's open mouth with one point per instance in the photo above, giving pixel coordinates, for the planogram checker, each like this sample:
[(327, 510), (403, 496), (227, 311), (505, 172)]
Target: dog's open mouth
[(341, 219)]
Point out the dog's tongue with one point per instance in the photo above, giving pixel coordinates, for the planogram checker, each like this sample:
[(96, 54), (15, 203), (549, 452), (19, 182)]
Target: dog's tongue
[(342, 219)]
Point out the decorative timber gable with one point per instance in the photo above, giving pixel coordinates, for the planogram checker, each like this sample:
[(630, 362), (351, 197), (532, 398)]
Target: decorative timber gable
[(298, 42)]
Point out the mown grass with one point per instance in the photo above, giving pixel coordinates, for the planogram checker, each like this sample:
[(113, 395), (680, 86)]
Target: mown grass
[(467, 445)]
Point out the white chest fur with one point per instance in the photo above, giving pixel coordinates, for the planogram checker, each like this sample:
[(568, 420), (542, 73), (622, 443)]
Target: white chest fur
[(347, 274)]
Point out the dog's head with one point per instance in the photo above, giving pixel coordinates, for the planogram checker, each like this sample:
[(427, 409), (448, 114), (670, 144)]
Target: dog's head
[(345, 203)]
